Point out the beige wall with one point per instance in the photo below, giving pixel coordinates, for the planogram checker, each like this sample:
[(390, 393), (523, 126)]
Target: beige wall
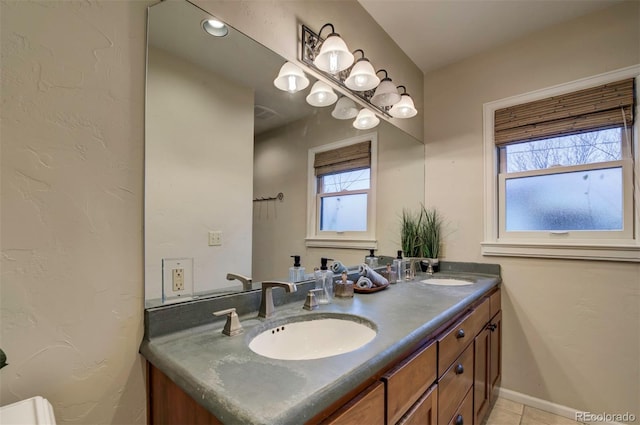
[(571, 328), (276, 24), (281, 155), (72, 197), (199, 132)]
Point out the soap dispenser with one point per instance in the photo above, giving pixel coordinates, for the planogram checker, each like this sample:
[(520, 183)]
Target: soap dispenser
[(324, 281), (371, 260), (398, 267), (296, 273)]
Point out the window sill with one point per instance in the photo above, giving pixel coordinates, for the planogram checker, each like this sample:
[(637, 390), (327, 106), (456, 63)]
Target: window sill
[(352, 243), (599, 252)]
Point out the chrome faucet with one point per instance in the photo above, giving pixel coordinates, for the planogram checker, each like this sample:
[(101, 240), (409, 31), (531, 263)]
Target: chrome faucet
[(266, 304), (246, 281)]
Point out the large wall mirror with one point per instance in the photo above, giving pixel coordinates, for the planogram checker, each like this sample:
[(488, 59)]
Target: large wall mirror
[(220, 138)]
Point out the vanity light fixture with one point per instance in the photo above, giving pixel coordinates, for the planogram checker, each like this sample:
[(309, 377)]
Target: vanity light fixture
[(386, 94), (405, 107), (362, 76), (291, 78), (215, 27), (334, 55), (321, 95), (345, 109), (357, 81), (366, 120)]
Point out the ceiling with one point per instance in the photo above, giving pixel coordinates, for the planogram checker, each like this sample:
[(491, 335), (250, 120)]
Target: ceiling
[(435, 33)]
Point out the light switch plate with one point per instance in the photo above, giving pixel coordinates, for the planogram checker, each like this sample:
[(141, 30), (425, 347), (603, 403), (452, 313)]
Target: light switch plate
[(215, 238), (177, 279)]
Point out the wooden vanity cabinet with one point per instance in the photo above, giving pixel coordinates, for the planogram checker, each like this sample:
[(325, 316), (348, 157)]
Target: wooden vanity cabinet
[(488, 362), (449, 381), (408, 381), (365, 408)]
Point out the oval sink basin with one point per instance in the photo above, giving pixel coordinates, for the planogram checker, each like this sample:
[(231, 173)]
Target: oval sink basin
[(446, 282), (313, 339)]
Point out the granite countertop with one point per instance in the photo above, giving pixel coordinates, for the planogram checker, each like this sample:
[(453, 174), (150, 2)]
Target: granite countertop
[(239, 386)]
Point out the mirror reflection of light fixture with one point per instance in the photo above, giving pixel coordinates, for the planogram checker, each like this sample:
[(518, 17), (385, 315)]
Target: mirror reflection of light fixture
[(405, 107), (386, 94), (334, 55), (291, 78), (362, 76), (366, 119), (215, 27), (321, 95), (345, 109)]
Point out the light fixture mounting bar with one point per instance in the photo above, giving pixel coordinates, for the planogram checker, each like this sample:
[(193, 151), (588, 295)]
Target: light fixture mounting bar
[(310, 47)]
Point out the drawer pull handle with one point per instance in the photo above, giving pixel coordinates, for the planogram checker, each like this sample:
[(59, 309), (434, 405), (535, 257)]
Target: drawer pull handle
[(459, 420), (459, 369), (460, 333), (492, 327)]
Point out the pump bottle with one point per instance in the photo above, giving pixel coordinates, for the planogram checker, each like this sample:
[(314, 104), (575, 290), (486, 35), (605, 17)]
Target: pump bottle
[(398, 267), (296, 273), (324, 281)]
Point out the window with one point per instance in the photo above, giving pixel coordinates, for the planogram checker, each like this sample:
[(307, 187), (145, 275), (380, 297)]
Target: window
[(559, 171), (341, 194)]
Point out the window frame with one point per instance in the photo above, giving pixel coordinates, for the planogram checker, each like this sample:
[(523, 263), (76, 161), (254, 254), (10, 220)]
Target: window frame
[(332, 239), (613, 246)]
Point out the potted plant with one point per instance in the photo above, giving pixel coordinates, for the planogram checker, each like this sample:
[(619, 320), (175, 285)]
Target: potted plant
[(430, 235), (421, 234)]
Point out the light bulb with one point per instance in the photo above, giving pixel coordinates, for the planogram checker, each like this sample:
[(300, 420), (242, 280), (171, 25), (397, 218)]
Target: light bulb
[(333, 62), (292, 86), (361, 80)]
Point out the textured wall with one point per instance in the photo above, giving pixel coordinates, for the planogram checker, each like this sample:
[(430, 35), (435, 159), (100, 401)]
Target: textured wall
[(571, 328), (72, 197)]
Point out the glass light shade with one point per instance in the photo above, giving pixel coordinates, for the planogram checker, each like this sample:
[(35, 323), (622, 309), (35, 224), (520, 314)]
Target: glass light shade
[(291, 78), (404, 109), (362, 77), (345, 109), (321, 95), (386, 94), (215, 27), (334, 55), (365, 120)]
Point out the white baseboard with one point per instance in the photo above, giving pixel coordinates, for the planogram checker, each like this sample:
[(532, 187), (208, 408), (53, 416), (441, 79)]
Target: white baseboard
[(547, 406)]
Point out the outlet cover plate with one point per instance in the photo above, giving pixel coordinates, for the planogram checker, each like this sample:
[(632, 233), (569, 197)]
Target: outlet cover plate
[(168, 277)]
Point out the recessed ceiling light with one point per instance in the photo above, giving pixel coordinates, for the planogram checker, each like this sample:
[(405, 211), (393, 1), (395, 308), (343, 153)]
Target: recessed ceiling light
[(215, 27)]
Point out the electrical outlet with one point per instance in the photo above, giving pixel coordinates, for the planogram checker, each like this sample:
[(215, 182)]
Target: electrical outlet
[(178, 280), (215, 238)]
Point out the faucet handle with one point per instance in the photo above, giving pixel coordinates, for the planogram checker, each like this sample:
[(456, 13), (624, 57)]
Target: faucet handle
[(233, 326), (311, 303)]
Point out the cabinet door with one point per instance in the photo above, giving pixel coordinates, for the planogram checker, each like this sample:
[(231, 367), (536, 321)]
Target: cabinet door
[(408, 381), (482, 380), (366, 408), (425, 411), (495, 368)]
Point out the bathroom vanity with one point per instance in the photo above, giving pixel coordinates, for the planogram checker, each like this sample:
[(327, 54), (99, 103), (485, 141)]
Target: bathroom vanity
[(435, 359)]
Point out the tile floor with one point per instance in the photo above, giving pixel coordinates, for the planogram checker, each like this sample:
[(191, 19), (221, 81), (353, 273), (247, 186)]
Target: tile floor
[(507, 412)]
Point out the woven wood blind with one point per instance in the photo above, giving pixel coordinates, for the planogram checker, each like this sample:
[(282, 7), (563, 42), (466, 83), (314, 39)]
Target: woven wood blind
[(352, 157), (578, 112)]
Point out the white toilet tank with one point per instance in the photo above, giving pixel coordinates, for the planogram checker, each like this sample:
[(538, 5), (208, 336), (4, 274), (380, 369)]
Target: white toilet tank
[(32, 411)]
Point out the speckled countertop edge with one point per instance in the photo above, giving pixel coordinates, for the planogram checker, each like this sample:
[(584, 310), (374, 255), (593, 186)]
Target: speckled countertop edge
[(238, 386)]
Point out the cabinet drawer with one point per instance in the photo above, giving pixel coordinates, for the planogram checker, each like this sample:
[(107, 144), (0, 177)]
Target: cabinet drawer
[(464, 414), (365, 408), (454, 384), (458, 337), (425, 411), (408, 381), (495, 301)]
